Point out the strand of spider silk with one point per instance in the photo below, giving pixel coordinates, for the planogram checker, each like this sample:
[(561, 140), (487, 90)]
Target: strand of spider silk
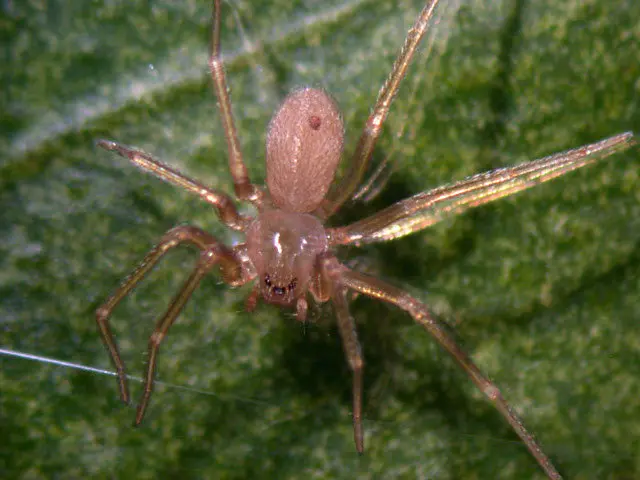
[(374, 424), (76, 366)]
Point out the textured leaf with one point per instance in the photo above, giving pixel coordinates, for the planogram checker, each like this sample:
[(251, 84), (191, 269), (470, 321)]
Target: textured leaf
[(542, 288)]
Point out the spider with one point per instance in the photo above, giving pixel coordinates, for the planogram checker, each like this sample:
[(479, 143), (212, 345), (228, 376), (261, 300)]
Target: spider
[(288, 253)]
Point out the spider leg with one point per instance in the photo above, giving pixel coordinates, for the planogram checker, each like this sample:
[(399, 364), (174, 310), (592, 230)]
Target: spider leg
[(212, 252), (427, 208), (349, 183), (225, 208), (244, 189), (349, 335), (209, 257), (375, 288), (376, 182)]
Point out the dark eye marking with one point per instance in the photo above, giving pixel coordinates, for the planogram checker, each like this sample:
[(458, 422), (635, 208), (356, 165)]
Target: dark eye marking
[(278, 290), (315, 122)]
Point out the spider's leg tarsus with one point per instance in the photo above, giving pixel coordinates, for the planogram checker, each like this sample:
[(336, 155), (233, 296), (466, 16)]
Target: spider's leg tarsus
[(106, 144), (102, 319)]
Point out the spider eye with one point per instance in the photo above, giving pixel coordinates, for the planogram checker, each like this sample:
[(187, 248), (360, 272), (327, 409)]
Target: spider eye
[(267, 280), (292, 284)]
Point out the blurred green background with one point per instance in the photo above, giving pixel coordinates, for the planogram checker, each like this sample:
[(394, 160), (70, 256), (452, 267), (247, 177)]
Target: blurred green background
[(541, 288)]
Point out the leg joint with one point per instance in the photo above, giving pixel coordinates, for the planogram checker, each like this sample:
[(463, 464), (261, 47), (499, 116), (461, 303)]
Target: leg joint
[(156, 339), (102, 314), (357, 363)]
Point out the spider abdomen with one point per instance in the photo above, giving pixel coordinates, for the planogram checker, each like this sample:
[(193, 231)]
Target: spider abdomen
[(304, 146)]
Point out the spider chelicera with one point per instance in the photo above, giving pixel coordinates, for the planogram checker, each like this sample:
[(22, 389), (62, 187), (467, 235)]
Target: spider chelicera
[(288, 253)]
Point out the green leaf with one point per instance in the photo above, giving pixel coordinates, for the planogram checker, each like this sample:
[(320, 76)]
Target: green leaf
[(542, 288)]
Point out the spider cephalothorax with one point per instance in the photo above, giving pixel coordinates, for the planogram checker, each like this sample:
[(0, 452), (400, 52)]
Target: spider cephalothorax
[(283, 247)]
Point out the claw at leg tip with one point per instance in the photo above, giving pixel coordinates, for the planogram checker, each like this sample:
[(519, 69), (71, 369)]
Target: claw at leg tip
[(106, 144), (360, 446)]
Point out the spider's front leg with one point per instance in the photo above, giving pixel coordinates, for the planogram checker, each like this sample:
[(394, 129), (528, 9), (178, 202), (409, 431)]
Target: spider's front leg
[(212, 253), (244, 189), (343, 190)]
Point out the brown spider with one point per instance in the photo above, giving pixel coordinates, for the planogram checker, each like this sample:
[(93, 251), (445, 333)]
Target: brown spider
[(288, 252)]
